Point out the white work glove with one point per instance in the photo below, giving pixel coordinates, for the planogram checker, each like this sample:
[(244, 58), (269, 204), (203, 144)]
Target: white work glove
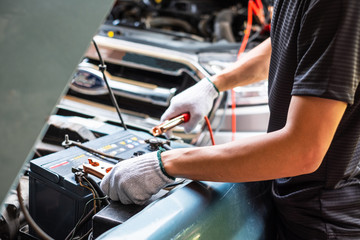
[(197, 100), (135, 180)]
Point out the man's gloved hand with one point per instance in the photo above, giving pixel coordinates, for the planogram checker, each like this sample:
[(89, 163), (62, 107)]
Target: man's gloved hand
[(135, 180), (197, 100)]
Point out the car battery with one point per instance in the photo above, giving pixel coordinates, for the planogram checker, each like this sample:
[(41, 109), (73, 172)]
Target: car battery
[(56, 200)]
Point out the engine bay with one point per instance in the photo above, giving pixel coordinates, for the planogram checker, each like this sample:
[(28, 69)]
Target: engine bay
[(153, 50), (198, 20)]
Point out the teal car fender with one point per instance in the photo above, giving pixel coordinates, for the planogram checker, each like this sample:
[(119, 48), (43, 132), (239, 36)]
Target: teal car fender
[(204, 210)]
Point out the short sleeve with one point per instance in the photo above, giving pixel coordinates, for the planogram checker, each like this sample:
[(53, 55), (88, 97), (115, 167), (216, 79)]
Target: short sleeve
[(328, 53)]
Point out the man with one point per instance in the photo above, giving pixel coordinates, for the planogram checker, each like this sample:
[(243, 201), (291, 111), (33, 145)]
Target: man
[(312, 147)]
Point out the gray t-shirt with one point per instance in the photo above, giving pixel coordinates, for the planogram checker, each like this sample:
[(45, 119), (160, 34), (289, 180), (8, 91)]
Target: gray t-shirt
[(316, 52)]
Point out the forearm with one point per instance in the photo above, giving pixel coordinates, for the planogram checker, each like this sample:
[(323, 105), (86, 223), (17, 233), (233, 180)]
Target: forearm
[(251, 67), (296, 149), (259, 158)]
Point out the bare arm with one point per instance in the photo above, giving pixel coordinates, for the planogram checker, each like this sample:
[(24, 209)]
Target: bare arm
[(296, 149), (251, 67)]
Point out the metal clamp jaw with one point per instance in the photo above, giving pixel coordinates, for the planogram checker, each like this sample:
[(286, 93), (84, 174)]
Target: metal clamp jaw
[(169, 124)]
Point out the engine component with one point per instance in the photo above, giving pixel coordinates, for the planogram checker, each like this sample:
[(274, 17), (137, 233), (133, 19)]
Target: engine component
[(210, 20), (12, 218), (223, 26)]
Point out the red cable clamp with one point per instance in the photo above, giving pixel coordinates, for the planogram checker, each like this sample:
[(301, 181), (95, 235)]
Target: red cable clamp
[(169, 124)]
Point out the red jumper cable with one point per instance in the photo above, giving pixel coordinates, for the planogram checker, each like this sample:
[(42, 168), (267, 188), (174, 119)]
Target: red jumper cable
[(258, 8)]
